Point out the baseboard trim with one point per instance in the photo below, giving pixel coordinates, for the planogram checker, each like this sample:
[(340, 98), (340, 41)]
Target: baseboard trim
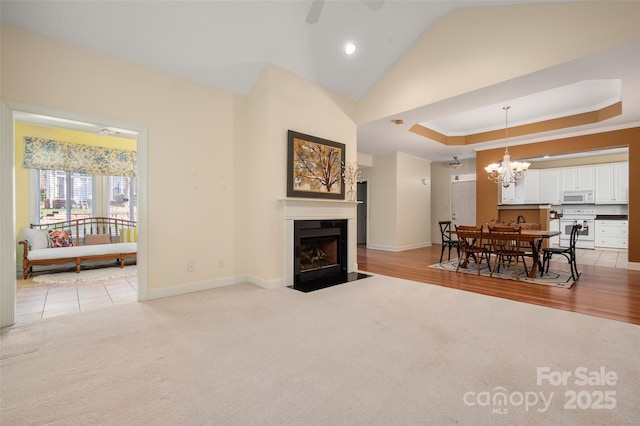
[(266, 284), (635, 266), (398, 248), (192, 287)]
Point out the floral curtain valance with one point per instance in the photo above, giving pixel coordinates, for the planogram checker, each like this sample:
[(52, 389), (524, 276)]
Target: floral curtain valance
[(47, 154)]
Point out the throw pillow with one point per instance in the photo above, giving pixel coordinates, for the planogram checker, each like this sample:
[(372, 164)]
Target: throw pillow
[(129, 235), (37, 238), (60, 239), (91, 239)]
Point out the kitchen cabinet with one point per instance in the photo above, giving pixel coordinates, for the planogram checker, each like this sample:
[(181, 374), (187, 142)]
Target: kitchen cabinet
[(525, 191), (508, 194), (530, 187), (612, 233), (551, 186), (582, 177), (612, 183)]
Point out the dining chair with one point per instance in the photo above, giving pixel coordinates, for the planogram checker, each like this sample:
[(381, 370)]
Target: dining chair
[(447, 241), (507, 248), (472, 245), (567, 252)]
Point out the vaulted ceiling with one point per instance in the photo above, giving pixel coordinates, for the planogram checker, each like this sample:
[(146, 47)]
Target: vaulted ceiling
[(227, 44)]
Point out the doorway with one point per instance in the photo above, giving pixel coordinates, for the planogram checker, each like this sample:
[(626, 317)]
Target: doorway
[(362, 213), (8, 277)]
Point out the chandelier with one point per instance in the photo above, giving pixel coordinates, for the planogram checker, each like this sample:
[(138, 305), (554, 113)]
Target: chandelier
[(508, 171)]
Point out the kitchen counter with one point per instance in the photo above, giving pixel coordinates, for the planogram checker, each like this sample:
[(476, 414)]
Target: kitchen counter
[(524, 206), (532, 213), (612, 217)]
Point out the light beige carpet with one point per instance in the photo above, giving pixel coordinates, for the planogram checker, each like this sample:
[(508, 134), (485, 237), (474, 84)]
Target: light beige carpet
[(377, 351)]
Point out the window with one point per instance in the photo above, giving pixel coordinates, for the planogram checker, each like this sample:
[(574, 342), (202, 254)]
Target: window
[(122, 199), (63, 196), (70, 195)]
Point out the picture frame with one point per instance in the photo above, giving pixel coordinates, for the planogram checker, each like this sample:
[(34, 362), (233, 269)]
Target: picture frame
[(314, 167)]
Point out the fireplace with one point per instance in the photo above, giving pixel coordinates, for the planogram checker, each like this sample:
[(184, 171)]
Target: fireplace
[(320, 253), (326, 225)]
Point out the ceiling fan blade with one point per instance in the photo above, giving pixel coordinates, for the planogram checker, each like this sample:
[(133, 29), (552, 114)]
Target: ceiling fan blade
[(374, 5), (314, 11)]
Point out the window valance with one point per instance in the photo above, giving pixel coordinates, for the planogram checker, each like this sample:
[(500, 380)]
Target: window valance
[(47, 154)]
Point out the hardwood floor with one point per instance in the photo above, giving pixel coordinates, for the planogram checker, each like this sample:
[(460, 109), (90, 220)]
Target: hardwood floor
[(605, 292)]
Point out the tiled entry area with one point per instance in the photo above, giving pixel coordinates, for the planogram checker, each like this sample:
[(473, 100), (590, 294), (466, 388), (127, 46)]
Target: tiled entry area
[(35, 301), (609, 258)]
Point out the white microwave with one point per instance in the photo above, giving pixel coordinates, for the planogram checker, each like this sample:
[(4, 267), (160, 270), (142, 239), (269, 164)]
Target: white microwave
[(578, 197)]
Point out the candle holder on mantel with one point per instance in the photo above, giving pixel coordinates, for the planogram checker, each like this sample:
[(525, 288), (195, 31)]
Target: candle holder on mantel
[(351, 175)]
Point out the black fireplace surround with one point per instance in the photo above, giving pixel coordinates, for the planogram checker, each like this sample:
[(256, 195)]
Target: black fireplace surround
[(320, 253)]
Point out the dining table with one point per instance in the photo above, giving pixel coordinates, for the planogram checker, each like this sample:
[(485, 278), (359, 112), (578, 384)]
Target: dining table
[(534, 238)]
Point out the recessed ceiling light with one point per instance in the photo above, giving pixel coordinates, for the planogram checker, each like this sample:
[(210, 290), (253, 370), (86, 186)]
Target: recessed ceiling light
[(349, 48)]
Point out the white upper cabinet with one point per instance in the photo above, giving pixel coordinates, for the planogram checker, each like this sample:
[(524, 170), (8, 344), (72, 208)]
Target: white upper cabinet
[(612, 183), (531, 187), (550, 186), (508, 194), (525, 191), (582, 177)]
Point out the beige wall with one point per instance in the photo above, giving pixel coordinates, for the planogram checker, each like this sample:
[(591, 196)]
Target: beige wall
[(216, 161), (476, 47), (190, 146), (381, 187), (413, 202), (399, 203), (283, 101)]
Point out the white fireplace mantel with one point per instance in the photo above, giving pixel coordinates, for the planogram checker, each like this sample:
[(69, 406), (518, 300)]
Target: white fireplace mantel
[(316, 209)]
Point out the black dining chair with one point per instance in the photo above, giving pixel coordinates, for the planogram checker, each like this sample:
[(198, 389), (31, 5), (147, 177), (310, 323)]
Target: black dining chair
[(447, 241), (568, 252)]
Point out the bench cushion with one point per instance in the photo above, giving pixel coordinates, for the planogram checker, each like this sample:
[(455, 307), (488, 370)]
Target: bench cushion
[(38, 238), (82, 251)]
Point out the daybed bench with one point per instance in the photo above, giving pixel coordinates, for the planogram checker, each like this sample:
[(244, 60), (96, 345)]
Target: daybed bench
[(77, 241)]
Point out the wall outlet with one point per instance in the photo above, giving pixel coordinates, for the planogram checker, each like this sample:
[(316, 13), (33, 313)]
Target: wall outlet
[(221, 262), (191, 266)]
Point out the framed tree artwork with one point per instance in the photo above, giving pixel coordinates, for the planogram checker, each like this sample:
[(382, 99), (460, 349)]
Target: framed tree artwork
[(314, 167)]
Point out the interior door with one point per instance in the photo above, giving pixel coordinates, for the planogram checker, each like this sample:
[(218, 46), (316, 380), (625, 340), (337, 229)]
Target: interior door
[(463, 203)]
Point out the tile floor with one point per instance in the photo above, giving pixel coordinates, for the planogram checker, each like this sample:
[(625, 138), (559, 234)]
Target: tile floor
[(35, 301), (609, 258)]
